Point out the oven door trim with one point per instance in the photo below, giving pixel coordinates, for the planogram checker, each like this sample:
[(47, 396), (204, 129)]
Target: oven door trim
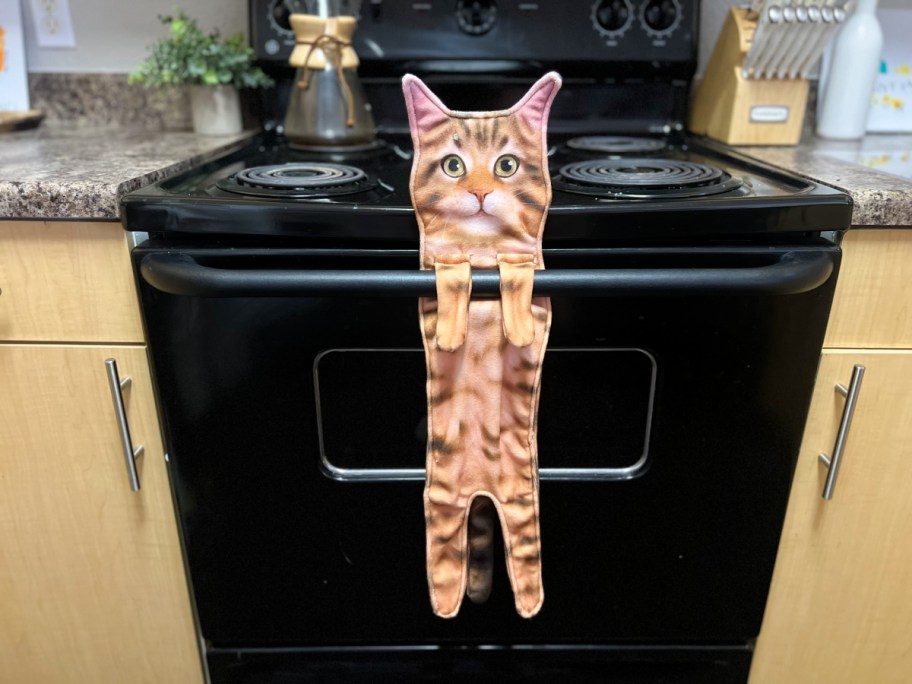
[(332, 471)]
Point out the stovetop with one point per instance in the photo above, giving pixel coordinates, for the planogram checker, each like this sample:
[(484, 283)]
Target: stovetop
[(605, 188)]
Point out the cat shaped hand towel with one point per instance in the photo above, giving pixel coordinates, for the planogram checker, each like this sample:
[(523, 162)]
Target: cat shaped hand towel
[(481, 191)]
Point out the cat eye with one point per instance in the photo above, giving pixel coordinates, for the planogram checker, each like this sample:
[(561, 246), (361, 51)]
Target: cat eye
[(506, 165), (453, 166)]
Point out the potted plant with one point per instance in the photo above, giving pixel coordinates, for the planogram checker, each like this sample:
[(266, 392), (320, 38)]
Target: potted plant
[(213, 68)]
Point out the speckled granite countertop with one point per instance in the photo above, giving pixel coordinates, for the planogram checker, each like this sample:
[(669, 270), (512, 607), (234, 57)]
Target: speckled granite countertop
[(57, 171), (875, 171)]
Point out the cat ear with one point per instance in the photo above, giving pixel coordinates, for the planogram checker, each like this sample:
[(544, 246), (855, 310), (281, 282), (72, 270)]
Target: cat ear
[(425, 110), (535, 105)]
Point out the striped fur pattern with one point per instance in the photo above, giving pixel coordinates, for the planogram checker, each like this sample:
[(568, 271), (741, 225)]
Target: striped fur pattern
[(481, 192)]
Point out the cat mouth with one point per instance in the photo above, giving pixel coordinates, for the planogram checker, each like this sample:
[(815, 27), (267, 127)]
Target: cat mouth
[(484, 218)]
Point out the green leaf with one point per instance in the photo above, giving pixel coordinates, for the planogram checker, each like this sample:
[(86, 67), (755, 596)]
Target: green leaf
[(188, 56)]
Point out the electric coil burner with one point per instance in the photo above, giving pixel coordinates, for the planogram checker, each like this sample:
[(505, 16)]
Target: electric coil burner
[(299, 180), (644, 179), (616, 145)]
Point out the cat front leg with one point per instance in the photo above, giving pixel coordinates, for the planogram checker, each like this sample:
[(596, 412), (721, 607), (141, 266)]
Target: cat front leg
[(454, 290), (517, 276)]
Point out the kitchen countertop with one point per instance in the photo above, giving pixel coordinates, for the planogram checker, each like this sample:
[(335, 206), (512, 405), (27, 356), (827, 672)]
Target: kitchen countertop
[(867, 169), (62, 172), (57, 171)]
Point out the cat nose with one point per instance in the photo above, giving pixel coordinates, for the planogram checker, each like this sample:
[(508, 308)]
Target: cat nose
[(480, 194)]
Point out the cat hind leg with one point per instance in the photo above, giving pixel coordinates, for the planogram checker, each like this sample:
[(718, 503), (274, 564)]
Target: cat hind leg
[(446, 554), (522, 541)]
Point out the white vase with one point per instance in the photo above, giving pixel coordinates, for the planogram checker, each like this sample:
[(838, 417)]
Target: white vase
[(216, 109), (846, 98)]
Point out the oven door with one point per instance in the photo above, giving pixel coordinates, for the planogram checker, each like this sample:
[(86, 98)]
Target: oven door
[(291, 386)]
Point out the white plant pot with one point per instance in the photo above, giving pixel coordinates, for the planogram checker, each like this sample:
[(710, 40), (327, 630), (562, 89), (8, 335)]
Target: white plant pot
[(216, 109)]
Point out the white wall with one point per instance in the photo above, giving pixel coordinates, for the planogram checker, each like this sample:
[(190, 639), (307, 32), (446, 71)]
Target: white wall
[(114, 35), (712, 16)]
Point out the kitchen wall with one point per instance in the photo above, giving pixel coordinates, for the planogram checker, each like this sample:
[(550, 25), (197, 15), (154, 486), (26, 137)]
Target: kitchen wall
[(712, 16), (113, 35)]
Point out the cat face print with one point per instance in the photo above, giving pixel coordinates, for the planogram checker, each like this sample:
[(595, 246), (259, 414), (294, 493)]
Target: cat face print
[(481, 176)]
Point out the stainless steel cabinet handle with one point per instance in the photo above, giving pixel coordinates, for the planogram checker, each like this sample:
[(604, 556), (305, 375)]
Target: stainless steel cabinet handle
[(832, 464), (130, 454)]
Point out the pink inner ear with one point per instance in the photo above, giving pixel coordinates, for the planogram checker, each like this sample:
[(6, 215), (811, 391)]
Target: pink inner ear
[(536, 104), (425, 110)]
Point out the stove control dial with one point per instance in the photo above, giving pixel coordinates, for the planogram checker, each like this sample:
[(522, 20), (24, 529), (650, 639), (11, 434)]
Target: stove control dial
[(476, 17), (660, 17), (612, 18), (279, 15)]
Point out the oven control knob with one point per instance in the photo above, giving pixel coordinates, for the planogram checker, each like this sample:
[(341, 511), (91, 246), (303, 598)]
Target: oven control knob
[(476, 16), (612, 18), (279, 16), (660, 17)]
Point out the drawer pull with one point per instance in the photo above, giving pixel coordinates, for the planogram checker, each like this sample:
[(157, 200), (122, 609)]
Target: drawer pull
[(130, 454), (848, 411)]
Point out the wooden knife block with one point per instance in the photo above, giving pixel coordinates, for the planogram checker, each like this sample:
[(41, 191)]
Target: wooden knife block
[(744, 111)]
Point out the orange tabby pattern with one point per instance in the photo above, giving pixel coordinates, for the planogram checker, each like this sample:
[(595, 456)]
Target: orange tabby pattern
[(481, 191)]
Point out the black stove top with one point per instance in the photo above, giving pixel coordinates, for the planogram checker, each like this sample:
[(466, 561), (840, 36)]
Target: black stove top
[(605, 188)]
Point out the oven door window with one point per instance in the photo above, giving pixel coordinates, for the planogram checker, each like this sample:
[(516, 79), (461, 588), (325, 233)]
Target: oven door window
[(594, 416)]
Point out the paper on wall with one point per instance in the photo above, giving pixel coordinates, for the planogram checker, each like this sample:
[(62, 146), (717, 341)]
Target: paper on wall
[(13, 78), (891, 103)]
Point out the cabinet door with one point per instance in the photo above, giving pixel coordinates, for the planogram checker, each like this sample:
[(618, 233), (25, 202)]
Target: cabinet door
[(840, 606), (873, 305), (92, 587), (66, 281)]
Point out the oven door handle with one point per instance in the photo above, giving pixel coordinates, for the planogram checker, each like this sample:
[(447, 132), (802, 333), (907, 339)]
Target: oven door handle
[(793, 272)]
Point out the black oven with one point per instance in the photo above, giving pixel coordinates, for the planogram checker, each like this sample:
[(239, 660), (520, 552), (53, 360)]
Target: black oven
[(689, 309), (675, 389)]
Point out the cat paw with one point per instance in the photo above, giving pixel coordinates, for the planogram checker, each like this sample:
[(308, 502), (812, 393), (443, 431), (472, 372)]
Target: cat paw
[(517, 276), (454, 289)]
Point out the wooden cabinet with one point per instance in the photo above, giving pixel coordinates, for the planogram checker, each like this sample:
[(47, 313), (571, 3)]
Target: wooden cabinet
[(92, 587), (873, 305), (63, 281), (840, 604)]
